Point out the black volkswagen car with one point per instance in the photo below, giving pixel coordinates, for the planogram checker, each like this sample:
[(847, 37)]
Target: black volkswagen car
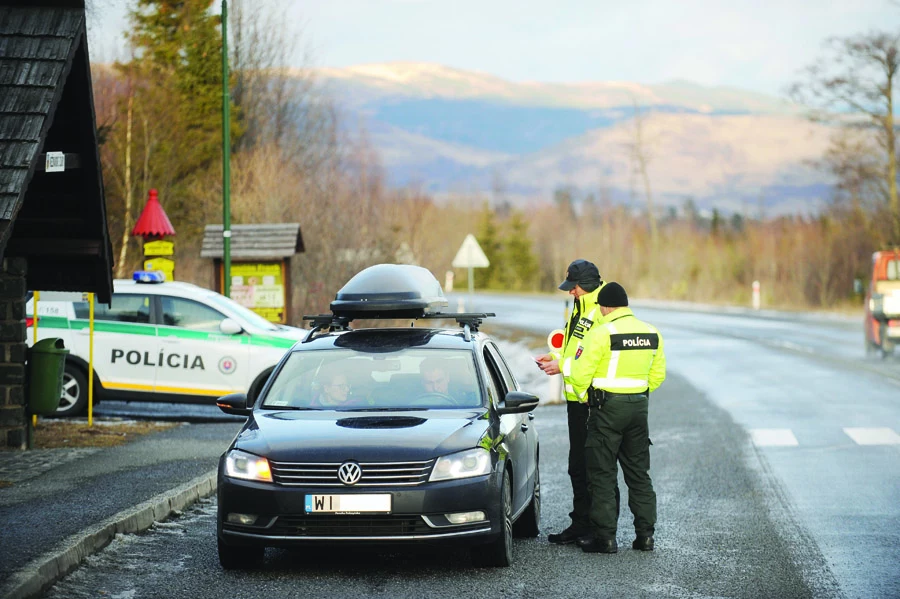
[(379, 435)]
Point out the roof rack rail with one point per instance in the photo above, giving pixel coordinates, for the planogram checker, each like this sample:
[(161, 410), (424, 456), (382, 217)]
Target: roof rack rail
[(325, 321), (469, 321), (472, 319)]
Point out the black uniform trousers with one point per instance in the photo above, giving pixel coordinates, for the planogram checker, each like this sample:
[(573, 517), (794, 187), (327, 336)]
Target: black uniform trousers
[(619, 431), (581, 501)]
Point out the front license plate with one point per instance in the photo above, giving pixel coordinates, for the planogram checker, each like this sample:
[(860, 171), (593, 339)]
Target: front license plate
[(348, 504)]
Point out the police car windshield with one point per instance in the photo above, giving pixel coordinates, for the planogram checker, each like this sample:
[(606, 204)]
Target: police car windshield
[(245, 313), (344, 379)]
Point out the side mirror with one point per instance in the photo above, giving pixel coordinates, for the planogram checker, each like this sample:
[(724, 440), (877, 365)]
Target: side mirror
[(234, 403), (518, 402), (230, 327), (858, 287)]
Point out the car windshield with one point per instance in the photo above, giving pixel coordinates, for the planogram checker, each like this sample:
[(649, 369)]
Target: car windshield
[(344, 379), (246, 313)]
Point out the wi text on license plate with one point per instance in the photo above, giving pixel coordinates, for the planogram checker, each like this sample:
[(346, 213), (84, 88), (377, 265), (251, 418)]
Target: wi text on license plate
[(349, 504)]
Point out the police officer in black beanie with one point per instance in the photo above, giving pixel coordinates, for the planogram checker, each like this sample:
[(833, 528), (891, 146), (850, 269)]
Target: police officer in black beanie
[(628, 363)]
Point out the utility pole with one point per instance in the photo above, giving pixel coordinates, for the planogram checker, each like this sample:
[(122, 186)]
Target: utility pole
[(226, 159)]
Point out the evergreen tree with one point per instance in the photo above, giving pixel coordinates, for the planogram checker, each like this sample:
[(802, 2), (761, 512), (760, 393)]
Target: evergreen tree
[(177, 69), (520, 265), (715, 224), (489, 240), (564, 198)]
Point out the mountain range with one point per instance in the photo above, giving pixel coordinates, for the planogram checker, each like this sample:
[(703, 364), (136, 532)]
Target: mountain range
[(456, 132)]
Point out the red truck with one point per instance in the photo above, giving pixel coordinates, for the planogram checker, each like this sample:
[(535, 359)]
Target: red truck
[(882, 320)]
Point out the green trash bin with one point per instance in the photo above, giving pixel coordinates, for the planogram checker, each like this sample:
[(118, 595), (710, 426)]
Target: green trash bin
[(46, 364)]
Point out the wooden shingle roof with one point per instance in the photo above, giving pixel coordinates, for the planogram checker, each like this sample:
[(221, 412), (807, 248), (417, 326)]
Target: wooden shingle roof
[(56, 220), (264, 242), (35, 44)]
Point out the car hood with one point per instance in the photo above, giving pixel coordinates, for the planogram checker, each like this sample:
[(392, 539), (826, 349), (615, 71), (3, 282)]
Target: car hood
[(287, 332), (329, 436)]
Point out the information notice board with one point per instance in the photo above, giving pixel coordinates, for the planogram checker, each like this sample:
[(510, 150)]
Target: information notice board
[(260, 287)]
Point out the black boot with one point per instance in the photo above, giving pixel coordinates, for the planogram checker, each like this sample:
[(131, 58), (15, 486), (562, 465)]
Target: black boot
[(568, 536), (643, 544), (600, 546)]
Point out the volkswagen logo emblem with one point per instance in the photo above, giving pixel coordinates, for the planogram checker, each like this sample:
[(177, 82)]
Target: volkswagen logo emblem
[(349, 473)]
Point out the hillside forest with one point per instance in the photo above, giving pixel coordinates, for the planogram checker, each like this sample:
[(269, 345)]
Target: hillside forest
[(297, 158)]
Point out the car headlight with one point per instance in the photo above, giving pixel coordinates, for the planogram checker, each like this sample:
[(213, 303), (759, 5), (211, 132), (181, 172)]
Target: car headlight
[(472, 462), (240, 464)]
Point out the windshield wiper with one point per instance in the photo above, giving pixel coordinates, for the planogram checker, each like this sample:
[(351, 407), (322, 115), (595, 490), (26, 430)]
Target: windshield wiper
[(289, 408)]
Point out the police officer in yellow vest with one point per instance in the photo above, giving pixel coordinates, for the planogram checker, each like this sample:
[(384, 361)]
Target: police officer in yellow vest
[(583, 283), (627, 362)]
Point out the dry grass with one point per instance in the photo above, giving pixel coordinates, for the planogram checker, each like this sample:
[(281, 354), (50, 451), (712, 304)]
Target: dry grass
[(51, 434)]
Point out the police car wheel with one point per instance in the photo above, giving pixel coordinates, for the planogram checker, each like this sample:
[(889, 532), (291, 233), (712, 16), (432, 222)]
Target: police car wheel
[(498, 553), (257, 386), (73, 401), (529, 523)]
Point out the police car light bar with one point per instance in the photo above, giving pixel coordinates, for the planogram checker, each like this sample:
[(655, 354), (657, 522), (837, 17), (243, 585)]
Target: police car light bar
[(149, 276)]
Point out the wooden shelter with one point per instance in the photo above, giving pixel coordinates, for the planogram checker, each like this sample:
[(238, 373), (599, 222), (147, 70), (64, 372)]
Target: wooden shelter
[(53, 230), (260, 268)]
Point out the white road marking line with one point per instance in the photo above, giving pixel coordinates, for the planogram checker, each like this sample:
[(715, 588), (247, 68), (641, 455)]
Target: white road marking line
[(793, 346), (773, 437), (873, 436)]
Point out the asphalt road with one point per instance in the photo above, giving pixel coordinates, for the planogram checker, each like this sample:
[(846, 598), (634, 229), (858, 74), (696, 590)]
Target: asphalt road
[(716, 538), (774, 460), (821, 415), (86, 490)]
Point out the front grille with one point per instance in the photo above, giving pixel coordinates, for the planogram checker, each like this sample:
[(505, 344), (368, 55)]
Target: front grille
[(374, 474), (348, 526)]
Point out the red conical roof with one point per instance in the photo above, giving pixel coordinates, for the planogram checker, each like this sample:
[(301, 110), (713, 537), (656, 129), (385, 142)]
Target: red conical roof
[(153, 221)]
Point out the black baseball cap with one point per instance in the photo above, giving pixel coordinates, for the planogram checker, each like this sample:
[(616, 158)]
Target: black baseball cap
[(582, 273)]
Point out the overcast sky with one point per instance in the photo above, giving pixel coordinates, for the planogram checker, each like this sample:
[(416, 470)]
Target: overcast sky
[(752, 44)]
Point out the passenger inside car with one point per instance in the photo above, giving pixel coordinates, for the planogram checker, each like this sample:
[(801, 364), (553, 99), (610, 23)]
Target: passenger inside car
[(334, 390)]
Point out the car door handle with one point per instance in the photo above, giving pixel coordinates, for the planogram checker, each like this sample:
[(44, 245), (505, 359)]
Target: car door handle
[(524, 427), (531, 415), (171, 339)]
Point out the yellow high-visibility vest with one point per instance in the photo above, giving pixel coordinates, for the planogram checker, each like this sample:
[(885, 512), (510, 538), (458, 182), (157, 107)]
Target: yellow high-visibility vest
[(574, 344), (622, 354)]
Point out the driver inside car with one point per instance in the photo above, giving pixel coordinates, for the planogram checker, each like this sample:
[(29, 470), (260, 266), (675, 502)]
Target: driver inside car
[(435, 378), (439, 378)]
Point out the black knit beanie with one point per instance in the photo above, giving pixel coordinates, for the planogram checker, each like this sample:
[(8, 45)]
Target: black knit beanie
[(612, 295)]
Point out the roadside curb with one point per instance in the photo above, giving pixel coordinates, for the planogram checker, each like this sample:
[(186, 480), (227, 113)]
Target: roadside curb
[(47, 569)]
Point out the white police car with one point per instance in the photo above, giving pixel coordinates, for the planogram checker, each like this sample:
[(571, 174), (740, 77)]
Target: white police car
[(162, 341)]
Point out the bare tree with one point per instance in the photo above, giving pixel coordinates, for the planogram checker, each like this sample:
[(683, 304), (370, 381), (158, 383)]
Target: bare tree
[(853, 157), (856, 76), (640, 157), (263, 47)]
